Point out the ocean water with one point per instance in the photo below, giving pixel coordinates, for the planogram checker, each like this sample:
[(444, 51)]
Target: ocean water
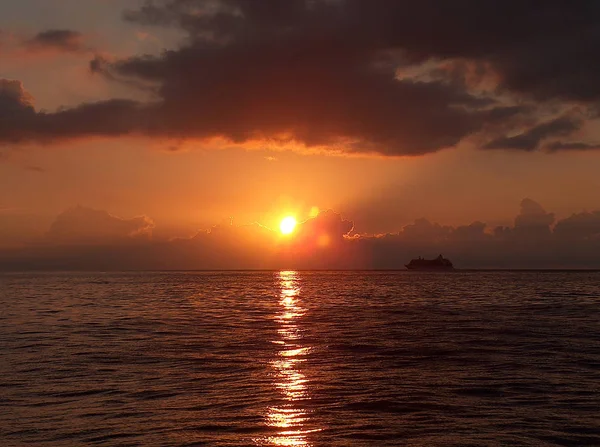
[(300, 359)]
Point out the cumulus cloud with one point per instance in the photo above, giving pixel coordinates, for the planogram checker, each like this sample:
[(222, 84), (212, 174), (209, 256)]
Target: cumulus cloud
[(324, 230), (328, 227), (473, 232), (14, 99), (584, 226), (56, 39), (350, 76), (533, 218), (423, 229), (81, 225), (82, 238)]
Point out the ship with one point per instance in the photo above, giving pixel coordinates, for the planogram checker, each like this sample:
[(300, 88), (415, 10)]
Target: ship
[(438, 264)]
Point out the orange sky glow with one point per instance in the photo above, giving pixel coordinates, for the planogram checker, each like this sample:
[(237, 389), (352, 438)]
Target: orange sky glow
[(248, 134)]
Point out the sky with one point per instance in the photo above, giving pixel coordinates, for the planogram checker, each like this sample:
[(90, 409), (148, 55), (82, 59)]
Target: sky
[(156, 122)]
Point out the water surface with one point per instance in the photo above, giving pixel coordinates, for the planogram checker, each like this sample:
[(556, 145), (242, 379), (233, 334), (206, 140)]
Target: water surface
[(300, 359)]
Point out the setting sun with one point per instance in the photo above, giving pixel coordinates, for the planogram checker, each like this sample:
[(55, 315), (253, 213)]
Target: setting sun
[(287, 225)]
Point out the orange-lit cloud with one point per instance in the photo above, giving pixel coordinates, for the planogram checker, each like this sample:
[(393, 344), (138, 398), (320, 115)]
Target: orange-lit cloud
[(82, 238), (347, 77)]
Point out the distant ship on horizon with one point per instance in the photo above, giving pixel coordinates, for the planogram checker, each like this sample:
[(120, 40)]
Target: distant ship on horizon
[(439, 263)]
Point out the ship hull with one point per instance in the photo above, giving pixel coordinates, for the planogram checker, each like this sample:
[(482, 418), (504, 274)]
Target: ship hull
[(429, 269), (439, 264)]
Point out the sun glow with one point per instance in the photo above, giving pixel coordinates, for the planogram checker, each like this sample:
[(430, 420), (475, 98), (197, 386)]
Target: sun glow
[(287, 225)]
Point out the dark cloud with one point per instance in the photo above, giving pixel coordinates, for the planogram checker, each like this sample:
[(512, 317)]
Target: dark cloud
[(548, 53), (318, 96), (14, 100), (20, 123), (531, 139), (473, 232), (579, 226), (57, 39), (82, 238), (424, 230), (353, 76), (571, 146)]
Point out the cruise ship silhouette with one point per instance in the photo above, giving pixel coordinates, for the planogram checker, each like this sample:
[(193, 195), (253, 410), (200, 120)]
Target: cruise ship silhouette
[(439, 263)]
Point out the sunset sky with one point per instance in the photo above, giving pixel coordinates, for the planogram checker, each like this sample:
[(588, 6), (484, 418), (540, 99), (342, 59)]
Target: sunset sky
[(193, 112)]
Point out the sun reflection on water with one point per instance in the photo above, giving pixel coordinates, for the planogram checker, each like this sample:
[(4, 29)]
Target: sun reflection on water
[(289, 417)]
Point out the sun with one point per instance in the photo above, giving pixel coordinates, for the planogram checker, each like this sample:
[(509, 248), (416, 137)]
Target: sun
[(287, 225)]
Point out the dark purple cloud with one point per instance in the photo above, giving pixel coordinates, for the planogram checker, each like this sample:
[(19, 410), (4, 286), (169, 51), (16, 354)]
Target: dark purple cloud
[(21, 123), (390, 77), (544, 49)]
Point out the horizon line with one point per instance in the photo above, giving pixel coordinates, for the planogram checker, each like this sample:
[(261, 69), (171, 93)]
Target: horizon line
[(391, 270)]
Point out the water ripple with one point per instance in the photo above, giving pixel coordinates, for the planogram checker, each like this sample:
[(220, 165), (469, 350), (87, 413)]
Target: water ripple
[(300, 359)]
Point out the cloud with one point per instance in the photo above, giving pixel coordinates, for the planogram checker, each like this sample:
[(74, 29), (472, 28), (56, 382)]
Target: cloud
[(473, 232), (347, 76), (571, 146), (82, 238), (583, 226), (424, 230), (533, 221), (326, 225), (533, 215), (14, 99), (57, 39), (531, 139), (260, 91), (20, 123), (81, 225)]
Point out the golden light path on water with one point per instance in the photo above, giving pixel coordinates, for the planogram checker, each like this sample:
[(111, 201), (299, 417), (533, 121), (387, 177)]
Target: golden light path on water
[(289, 417)]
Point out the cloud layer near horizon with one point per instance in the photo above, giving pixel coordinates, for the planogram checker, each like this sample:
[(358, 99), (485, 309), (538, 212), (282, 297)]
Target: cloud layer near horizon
[(82, 238), (350, 76)]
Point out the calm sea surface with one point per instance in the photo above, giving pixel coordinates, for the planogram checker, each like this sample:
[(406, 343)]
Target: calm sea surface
[(300, 359)]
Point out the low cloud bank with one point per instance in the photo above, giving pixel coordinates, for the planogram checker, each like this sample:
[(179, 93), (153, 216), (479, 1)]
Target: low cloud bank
[(86, 239), (80, 225)]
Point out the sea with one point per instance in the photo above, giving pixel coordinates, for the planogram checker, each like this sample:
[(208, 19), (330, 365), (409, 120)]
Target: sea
[(298, 358)]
